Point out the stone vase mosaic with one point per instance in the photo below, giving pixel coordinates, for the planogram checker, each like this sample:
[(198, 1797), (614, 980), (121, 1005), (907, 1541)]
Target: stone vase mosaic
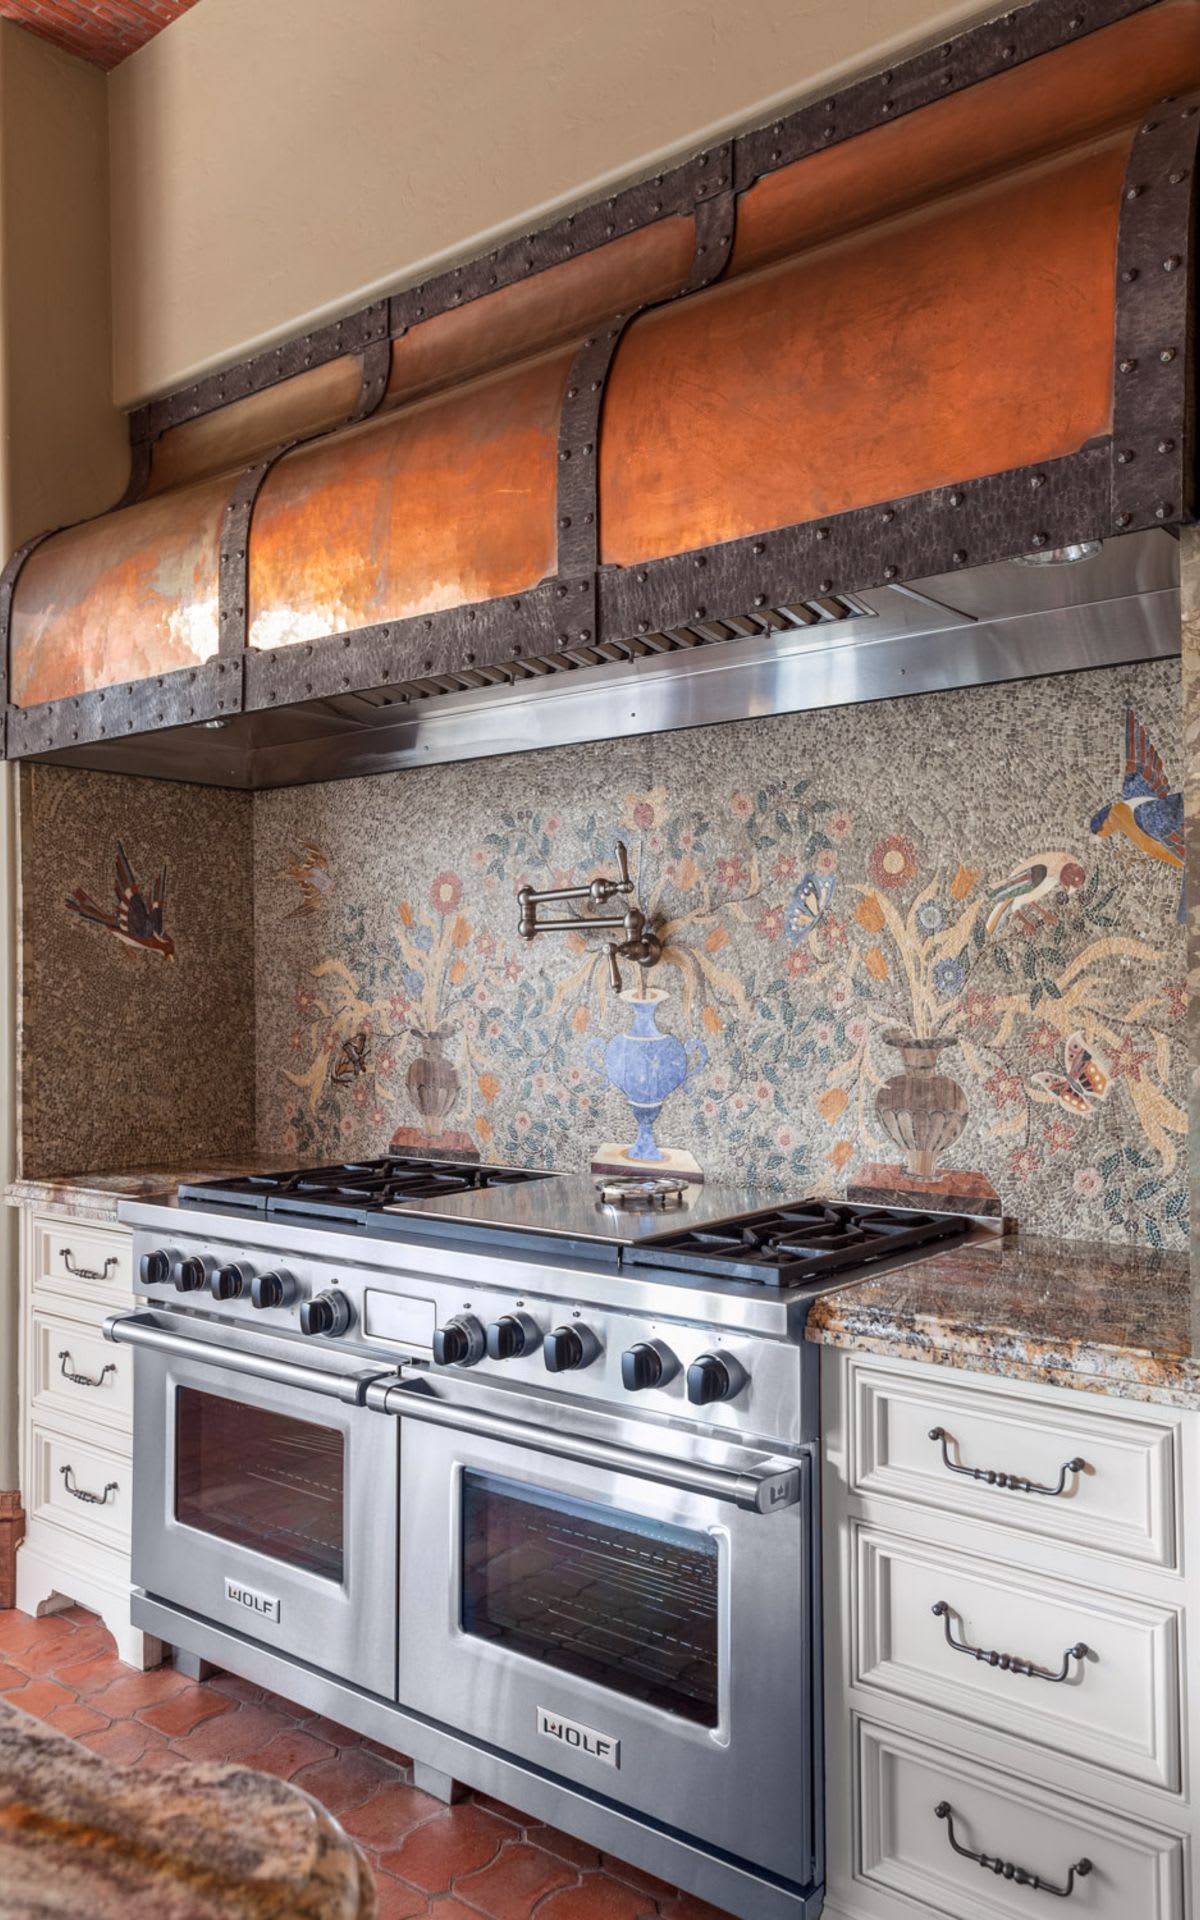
[(921, 1109), (647, 1066)]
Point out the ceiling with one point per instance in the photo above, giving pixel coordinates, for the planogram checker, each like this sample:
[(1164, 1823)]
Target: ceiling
[(102, 31)]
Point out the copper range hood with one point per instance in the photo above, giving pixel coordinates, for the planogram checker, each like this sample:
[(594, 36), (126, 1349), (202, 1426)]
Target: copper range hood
[(768, 431)]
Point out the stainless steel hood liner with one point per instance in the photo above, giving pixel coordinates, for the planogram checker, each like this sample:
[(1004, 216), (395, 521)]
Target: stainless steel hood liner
[(1118, 606)]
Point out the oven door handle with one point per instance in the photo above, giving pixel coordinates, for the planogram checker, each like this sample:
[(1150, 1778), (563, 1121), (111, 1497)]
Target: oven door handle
[(139, 1330), (767, 1484)]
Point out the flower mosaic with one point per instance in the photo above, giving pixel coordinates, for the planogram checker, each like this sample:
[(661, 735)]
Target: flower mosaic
[(852, 903)]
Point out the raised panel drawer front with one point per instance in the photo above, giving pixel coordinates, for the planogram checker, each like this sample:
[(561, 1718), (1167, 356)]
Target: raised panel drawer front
[(1086, 1478), (917, 1806), (80, 1485), (78, 1379), (1115, 1704), (75, 1261)]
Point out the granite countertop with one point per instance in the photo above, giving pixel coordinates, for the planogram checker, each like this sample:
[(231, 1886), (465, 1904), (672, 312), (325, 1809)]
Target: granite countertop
[(94, 1196), (79, 1836), (1072, 1313)]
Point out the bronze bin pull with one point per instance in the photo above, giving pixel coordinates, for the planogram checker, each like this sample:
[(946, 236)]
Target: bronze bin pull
[(1009, 1662), (994, 1477), (1020, 1876)]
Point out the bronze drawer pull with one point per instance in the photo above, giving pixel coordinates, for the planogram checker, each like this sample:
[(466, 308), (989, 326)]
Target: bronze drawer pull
[(1009, 1662), (992, 1476), (1021, 1876), (81, 1493), (87, 1273), (83, 1379)]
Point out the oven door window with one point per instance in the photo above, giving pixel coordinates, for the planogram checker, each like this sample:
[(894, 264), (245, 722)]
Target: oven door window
[(262, 1480), (628, 1602)]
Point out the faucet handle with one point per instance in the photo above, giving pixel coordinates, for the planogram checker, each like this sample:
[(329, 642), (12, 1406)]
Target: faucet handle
[(624, 883), (614, 971)]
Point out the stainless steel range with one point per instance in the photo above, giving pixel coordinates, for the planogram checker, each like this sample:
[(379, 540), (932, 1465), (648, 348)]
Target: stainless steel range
[(516, 1473)]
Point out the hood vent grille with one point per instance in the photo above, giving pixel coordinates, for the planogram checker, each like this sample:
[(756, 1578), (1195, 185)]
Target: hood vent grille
[(798, 615)]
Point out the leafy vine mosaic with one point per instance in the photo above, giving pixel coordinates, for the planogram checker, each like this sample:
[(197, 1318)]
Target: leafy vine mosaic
[(833, 891)]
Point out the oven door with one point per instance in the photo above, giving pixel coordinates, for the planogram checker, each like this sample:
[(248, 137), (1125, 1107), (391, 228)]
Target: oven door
[(652, 1644), (264, 1497)]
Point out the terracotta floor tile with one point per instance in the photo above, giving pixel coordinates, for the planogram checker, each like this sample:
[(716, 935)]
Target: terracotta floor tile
[(40, 1697), (11, 1676), (185, 1710), (20, 1630), (347, 1780), (577, 1853), (286, 1752), (88, 1675), (517, 1879), (646, 1883), (75, 1719), (231, 1736), (239, 1689), (134, 1690), (597, 1897), (398, 1902), (457, 1841), (125, 1743), (389, 1814), (162, 1758), (448, 1908), (45, 1656), (87, 1643), (397, 1758), (324, 1729)]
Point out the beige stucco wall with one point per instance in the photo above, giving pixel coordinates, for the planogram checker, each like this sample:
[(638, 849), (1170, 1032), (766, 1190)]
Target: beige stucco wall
[(280, 162), (63, 449)]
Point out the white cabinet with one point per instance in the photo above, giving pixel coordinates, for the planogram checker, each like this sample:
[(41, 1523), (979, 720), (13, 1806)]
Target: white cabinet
[(1007, 1597), (76, 1394), (934, 1826)]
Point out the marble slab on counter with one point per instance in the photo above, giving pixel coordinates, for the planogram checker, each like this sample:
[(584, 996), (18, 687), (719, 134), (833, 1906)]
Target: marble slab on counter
[(79, 1836), (95, 1196), (1072, 1313)]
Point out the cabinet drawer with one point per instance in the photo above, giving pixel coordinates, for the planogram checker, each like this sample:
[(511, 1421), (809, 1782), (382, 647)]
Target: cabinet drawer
[(59, 1464), (72, 1260), (937, 1444), (77, 1379), (1118, 1705), (916, 1804)]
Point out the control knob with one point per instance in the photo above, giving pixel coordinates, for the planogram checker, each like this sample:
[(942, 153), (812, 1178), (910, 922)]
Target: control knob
[(460, 1343), (649, 1364), (272, 1290), (570, 1347), (155, 1267), (228, 1283), (190, 1273), (511, 1336), (329, 1312), (714, 1376)]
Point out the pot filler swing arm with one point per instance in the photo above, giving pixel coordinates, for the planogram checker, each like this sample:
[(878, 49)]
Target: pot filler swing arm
[(641, 944)]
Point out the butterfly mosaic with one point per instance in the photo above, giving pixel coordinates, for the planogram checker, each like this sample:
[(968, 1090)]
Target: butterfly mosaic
[(1084, 1081), (809, 904)]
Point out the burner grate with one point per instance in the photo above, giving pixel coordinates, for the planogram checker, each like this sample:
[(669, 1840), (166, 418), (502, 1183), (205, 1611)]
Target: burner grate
[(354, 1190), (784, 1246)]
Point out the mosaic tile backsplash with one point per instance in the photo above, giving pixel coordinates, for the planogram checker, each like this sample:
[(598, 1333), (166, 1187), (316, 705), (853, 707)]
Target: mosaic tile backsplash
[(137, 1008), (978, 893)]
